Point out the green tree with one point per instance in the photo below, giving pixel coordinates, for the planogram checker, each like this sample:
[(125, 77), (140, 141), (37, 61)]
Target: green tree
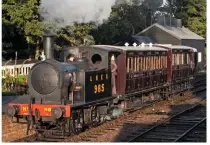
[(23, 17), (75, 35), (196, 10), (126, 19), (192, 13)]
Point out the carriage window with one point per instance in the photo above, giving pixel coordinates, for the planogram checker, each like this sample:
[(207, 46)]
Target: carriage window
[(176, 59), (159, 62), (135, 69), (153, 62), (164, 63), (173, 59), (145, 63), (183, 58), (128, 62), (156, 61), (149, 64), (188, 58), (137, 64), (140, 63), (131, 68), (149, 61)]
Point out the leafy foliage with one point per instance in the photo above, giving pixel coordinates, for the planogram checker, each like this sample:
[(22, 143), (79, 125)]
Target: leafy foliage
[(21, 20), (75, 35), (192, 13), (127, 19), (23, 14)]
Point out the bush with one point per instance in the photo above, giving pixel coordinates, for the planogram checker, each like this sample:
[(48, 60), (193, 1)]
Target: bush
[(14, 85)]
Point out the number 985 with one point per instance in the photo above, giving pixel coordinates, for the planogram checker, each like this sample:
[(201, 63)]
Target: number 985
[(99, 88)]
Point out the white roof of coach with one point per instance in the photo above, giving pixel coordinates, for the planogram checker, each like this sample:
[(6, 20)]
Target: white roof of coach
[(181, 47), (132, 48)]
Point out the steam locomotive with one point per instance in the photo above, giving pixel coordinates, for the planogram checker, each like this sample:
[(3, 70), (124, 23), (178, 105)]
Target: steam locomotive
[(65, 97)]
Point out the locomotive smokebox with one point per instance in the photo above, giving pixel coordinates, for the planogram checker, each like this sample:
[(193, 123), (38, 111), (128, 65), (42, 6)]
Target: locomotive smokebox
[(48, 45)]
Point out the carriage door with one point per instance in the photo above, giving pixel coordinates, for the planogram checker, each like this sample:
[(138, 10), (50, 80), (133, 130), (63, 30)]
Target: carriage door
[(121, 73)]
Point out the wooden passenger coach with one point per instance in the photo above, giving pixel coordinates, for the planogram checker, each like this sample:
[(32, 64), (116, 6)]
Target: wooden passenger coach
[(139, 68), (147, 68)]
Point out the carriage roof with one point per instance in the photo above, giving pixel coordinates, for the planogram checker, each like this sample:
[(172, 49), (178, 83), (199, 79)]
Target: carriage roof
[(179, 47), (183, 47), (129, 48)]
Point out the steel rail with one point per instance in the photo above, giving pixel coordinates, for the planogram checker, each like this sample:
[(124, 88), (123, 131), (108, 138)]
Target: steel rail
[(188, 131), (165, 121)]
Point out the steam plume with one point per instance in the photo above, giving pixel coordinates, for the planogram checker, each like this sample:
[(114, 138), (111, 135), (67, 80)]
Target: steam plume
[(81, 11)]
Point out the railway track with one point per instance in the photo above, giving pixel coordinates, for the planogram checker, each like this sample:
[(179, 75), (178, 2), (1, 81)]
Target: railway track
[(196, 134), (176, 128), (117, 124), (33, 138)]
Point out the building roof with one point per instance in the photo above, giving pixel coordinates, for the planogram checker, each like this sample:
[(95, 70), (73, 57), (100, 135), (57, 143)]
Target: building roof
[(136, 39), (180, 33)]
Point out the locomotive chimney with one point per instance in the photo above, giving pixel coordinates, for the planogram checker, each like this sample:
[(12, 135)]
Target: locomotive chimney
[(48, 45)]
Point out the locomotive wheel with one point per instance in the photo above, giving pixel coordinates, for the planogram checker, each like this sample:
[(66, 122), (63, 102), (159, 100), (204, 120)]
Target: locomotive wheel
[(95, 117), (77, 122)]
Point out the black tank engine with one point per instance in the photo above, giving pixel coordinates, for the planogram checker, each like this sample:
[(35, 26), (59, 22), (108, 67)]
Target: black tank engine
[(56, 87)]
